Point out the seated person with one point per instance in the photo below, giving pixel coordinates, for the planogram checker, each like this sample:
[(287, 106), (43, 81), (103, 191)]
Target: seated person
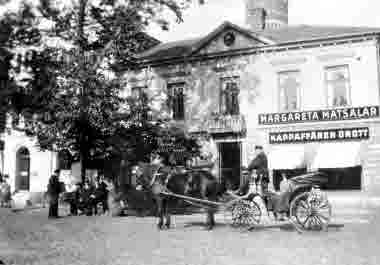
[(101, 195), (280, 200), (86, 199), (285, 184)]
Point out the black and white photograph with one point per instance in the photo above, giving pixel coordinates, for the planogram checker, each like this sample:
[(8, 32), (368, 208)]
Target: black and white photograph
[(189, 132)]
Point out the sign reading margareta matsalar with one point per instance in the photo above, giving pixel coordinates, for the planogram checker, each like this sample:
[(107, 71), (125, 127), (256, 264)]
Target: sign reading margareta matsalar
[(319, 135), (320, 115)]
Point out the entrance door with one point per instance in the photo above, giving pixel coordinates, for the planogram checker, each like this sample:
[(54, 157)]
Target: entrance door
[(230, 161), (22, 169)]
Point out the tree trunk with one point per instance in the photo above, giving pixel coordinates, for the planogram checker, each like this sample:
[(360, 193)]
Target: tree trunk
[(80, 39), (83, 166)]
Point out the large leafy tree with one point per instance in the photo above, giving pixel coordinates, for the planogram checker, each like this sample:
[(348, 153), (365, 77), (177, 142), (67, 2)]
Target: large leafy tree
[(65, 71)]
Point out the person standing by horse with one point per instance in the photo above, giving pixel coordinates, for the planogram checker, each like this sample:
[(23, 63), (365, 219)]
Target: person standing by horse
[(260, 165), (54, 189)]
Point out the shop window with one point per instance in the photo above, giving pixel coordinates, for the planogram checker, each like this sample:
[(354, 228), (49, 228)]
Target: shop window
[(338, 86), (229, 96), (289, 172), (176, 100), (348, 178), (289, 88)]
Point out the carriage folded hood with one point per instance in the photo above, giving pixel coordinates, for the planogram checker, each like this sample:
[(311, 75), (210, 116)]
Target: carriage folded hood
[(312, 178)]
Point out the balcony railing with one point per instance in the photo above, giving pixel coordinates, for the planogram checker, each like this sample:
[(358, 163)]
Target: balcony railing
[(221, 124)]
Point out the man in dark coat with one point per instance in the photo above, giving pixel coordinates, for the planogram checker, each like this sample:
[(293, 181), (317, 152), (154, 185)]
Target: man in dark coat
[(260, 164), (54, 189), (87, 197), (101, 195)]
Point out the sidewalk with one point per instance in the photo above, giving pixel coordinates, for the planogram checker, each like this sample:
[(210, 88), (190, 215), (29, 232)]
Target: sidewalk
[(353, 199)]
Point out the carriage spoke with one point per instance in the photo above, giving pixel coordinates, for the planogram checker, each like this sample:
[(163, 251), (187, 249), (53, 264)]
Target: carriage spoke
[(304, 205), (304, 223), (323, 217), (320, 221), (324, 205)]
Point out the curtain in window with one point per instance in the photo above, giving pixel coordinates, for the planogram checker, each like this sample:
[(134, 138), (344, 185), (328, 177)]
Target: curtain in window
[(289, 90), (337, 79), (230, 98)]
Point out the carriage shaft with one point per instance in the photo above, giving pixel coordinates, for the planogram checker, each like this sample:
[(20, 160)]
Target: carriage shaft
[(192, 198)]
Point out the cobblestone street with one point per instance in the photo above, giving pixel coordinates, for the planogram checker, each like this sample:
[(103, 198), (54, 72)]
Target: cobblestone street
[(29, 237)]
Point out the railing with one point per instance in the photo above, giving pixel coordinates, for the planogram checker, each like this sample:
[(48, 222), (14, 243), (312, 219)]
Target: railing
[(227, 124)]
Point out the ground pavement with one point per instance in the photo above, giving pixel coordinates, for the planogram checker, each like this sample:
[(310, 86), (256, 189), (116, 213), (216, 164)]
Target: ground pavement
[(29, 237)]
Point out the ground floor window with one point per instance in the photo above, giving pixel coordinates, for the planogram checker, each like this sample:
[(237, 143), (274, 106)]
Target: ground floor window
[(289, 172), (348, 178)]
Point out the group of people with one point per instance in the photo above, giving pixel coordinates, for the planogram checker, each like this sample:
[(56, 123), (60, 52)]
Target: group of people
[(84, 198), (5, 192)]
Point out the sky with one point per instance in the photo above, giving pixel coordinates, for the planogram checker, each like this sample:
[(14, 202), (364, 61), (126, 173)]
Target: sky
[(201, 20)]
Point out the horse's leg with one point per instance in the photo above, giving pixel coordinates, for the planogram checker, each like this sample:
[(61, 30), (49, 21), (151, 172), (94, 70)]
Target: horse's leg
[(167, 213), (210, 223), (160, 210)]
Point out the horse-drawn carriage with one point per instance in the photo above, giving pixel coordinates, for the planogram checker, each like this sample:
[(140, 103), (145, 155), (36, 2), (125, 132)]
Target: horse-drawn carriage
[(307, 206)]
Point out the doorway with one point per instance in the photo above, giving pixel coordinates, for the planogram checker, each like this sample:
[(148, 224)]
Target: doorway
[(22, 169), (230, 161)]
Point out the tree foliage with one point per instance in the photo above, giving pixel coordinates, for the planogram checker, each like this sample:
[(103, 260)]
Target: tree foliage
[(63, 77)]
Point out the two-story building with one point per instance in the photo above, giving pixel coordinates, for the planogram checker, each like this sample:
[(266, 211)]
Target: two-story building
[(308, 94)]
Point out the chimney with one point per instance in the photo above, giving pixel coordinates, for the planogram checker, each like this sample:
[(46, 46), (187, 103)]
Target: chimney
[(256, 18), (266, 14)]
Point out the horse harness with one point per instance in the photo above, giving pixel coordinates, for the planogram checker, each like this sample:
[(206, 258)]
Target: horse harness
[(158, 175)]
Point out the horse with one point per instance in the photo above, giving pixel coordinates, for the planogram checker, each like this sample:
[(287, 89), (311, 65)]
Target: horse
[(195, 183)]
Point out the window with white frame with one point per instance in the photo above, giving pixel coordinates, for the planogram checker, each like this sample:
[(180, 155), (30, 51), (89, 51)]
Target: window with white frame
[(289, 88), (338, 86), (176, 100), (229, 96)]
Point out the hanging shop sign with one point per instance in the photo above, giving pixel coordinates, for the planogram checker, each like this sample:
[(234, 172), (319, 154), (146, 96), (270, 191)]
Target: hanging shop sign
[(342, 134), (340, 114)]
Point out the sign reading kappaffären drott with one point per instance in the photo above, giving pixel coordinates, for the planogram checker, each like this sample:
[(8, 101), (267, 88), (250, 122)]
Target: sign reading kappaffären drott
[(338, 114), (343, 134)]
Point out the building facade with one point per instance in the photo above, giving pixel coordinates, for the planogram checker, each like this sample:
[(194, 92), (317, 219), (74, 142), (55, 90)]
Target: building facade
[(308, 94), (28, 168)]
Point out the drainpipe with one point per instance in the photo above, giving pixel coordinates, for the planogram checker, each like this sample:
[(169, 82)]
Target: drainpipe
[(378, 66)]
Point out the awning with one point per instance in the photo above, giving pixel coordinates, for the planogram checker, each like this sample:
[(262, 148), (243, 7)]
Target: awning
[(337, 155), (287, 157)]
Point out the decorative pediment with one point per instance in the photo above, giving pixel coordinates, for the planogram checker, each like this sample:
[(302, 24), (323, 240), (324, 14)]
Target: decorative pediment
[(229, 37)]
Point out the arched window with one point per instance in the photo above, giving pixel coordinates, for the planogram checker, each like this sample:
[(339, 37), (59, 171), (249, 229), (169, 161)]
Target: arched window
[(22, 169)]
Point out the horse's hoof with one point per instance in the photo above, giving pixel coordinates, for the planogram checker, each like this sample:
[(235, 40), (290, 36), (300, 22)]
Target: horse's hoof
[(160, 227), (208, 228), (167, 226)]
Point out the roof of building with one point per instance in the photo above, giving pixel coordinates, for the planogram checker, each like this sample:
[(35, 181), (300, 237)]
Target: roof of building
[(284, 35), (313, 32)]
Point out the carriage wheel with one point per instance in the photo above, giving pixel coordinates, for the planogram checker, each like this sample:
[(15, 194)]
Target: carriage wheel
[(311, 214), (243, 213)]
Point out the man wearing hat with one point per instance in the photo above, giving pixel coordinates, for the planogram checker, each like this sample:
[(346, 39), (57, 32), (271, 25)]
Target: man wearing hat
[(54, 189), (260, 164)]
